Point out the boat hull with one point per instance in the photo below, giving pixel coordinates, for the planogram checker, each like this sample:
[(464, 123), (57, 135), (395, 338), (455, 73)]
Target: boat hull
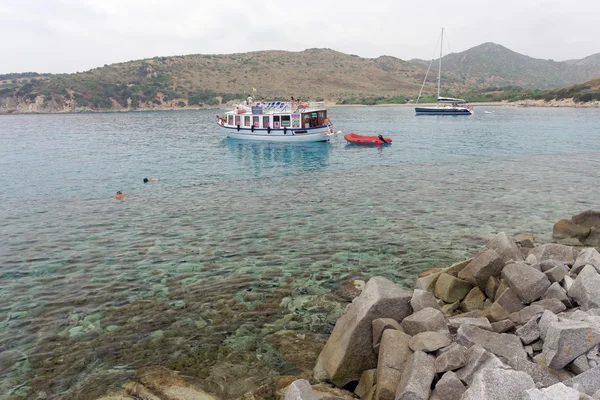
[(442, 111), (320, 134), (366, 140)]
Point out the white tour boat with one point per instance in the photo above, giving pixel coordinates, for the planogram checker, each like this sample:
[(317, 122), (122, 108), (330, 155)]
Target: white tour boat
[(278, 121)]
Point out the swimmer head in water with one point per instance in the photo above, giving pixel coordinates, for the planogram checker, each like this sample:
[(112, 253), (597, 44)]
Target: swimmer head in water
[(145, 180)]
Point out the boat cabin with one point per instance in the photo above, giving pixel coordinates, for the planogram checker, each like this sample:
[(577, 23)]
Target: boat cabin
[(276, 115)]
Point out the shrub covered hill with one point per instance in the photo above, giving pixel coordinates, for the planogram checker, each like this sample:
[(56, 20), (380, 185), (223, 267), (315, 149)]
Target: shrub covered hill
[(317, 74)]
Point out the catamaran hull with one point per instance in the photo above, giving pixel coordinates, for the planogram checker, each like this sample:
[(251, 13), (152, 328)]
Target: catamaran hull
[(443, 111), (321, 134)]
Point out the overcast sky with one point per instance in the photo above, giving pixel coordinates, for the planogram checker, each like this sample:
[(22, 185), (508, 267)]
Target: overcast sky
[(77, 35)]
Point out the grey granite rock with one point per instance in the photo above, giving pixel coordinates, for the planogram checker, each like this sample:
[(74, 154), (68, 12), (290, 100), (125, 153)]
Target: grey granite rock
[(455, 323), (300, 390), (451, 358), (491, 287), (505, 247), (498, 384), (580, 364), (586, 287), (450, 289), (541, 375), (393, 353), (422, 299), (552, 251), (478, 359), (530, 332), (531, 259), (544, 322), (349, 350), (527, 283), (495, 313), (549, 264), (555, 291), (429, 341), (567, 283), (473, 300), (450, 387), (557, 391), (417, 377), (428, 319), (556, 274), (427, 280), (503, 326), (536, 309), (566, 340), (589, 256), (381, 324), (367, 380), (587, 382), (509, 301), (501, 344), (486, 264)]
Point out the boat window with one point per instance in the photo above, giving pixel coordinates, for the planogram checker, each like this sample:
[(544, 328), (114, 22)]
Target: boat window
[(255, 121), (230, 120), (276, 122), (237, 120), (265, 121), (285, 120), (247, 120), (306, 120)]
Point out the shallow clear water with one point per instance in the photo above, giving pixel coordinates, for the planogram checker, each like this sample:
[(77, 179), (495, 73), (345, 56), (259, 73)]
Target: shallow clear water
[(241, 247)]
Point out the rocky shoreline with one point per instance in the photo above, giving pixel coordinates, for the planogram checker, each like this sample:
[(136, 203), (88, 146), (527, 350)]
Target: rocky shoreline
[(516, 321)]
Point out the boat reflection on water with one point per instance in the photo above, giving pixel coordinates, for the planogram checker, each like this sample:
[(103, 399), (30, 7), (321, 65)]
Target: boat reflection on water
[(272, 156)]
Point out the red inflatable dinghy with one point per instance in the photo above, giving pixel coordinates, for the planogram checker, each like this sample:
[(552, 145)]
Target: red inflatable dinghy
[(359, 139)]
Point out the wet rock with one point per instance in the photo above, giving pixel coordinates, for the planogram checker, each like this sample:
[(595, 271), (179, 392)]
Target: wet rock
[(450, 387), (587, 382), (555, 291), (510, 301), (501, 344), (541, 375), (503, 326), (139, 391), (566, 340), (594, 238), (367, 380), (121, 395), (451, 358), (473, 300), (556, 274), (588, 219), (327, 392), (505, 247), (168, 386), (417, 377), (422, 299), (586, 287), (529, 333), (481, 322), (527, 283), (589, 256), (481, 268), (554, 392), (380, 325), (566, 229), (300, 390), (428, 319), (429, 341), (552, 251), (451, 289), (477, 359), (498, 384), (349, 350), (393, 353)]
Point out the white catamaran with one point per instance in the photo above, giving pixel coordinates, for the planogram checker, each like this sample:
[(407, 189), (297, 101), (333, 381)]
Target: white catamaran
[(445, 105)]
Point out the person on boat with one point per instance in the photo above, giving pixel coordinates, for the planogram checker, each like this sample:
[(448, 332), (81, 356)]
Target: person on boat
[(249, 100), (119, 195), (146, 180), (262, 102), (292, 101)]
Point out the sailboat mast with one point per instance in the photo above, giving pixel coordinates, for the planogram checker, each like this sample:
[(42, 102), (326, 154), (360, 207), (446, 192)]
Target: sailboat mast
[(440, 64)]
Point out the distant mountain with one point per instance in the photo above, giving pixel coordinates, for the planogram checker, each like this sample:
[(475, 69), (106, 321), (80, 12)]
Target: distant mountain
[(493, 65)]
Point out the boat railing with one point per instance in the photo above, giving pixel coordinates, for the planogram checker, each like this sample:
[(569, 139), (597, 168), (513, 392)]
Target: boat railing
[(274, 107)]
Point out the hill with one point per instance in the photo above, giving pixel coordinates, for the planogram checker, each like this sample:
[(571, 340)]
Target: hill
[(491, 64)]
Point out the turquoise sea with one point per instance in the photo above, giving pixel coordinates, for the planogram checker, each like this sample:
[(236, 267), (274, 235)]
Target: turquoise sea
[(230, 269)]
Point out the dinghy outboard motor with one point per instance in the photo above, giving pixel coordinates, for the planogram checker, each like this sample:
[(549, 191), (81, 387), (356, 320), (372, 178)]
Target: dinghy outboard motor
[(380, 137)]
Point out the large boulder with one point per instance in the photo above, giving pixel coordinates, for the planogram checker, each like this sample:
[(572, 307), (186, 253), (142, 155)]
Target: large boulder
[(482, 267), (451, 358), (589, 256), (541, 375), (553, 251), (557, 391), (368, 379), (349, 350), (455, 323), (505, 247), (498, 384), (501, 344), (587, 382), (422, 299), (555, 291), (380, 325), (566, 229), (587, 219), (473, 300), (527, 283), (509, 301), (586, 288), (594, 238), (428, 319), (565, 340), (478, 359), (393, 353), (450, 387), (530, 332), (417, 377), (429, 341), (300, 390), (451, 289)]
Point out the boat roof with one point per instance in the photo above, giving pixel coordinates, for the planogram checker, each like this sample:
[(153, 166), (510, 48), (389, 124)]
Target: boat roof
[(450, 100), (280, 107)]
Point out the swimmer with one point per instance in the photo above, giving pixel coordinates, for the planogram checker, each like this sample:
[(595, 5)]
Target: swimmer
[(146, 180), (119, 195)]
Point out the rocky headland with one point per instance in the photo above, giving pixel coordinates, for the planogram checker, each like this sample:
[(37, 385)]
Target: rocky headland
[(516, 321)]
